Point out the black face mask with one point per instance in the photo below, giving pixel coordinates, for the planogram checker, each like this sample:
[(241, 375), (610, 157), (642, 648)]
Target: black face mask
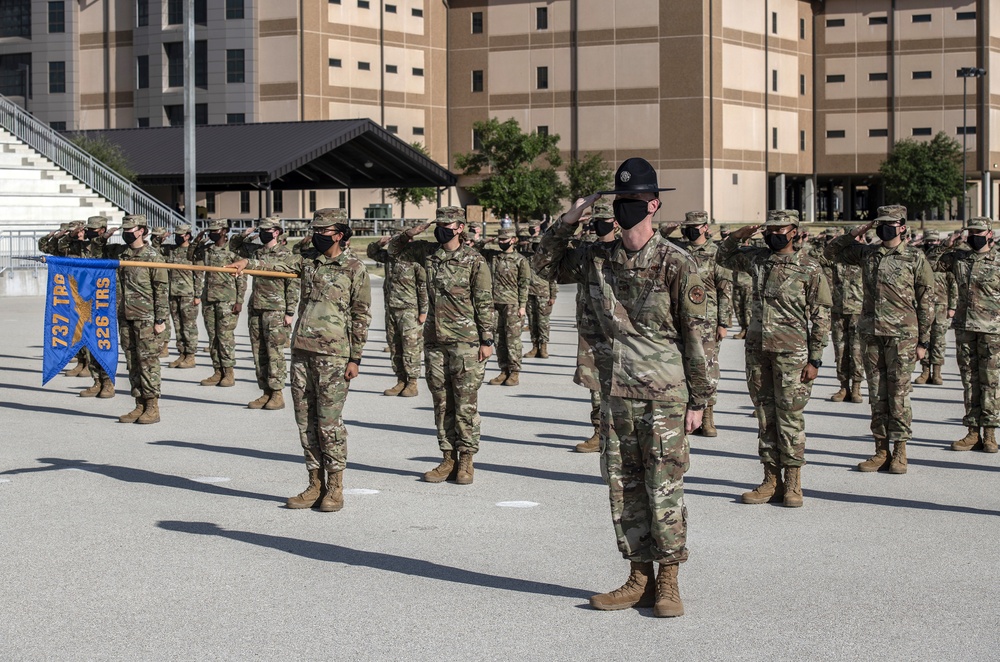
[(887, 232), (91, 234), (266, 236), (776, 241), (691, 232), (603, 226), (129, 237), (322, 242), (443, 235), (630, 213), (977, 241), (179, 239), (506, 245)]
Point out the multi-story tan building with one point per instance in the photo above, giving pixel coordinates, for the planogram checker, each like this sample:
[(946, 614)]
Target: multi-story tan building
[(742, 105)]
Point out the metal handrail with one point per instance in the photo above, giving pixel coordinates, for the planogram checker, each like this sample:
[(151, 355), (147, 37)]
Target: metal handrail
[(105, 182)]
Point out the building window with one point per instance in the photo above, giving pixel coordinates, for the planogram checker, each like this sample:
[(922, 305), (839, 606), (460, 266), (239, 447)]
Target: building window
[(477, 22), (418, 13), (802, 84), (342, 198), (542, 130), (174, 51), (57, 77), (15, 18), (836, 134), (236, 118), (542, 78), (245, 202), (200, 114), (142, 72), (802, 141), (15, 74), (418, 71), (774, 80), (418, 130), (363, 4), (542, 18), (736, 179), (965, 16), (142, 122), (312, 201), (141, 13), (802, 28), (878, 133), (210, 202), (57, 17), (878, 76), (335, 62), (966, 130), (175, 115), (201, 64), (235, 66), (234, 9), (835, 23), (921, 18), (390, 9), (878, 20), (774, 22), (774, 137), (175, 12), (57, 126), (334, 2), (278, 201), (835, 78), (364, 66), (477, 80), (391, 69), (921, 131), (921, 75), (392, 128), (477, 140)]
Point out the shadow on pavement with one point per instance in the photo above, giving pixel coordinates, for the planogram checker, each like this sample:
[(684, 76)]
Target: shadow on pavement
[(528, 472), (56, 410)]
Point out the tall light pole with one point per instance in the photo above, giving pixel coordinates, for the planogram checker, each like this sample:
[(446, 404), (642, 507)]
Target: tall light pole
[(966, 73), (190, 185)]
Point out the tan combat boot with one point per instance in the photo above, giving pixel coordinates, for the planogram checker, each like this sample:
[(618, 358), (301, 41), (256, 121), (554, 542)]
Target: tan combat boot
[(464, 475), (513, 379), (188, 361), (276, 401), (856, 393), (312, 494), (176, 363), (708, 423), (214, 379), (793, 487), (532, 354), (77, 369), (970, 441), (639, 590), (395, 390), (91, 390), (880, 460), (989, 440), (925, 374), (333, 500), (840, 395), (410, 391), (543, 350), (261, 401), (771, 489), (164, 350), (898, 464), (440, 473), (228, 378), (151, 414), (499, 379), (107, 389), (668, 595), (741, 335), (592, 445), (133, 415), (936, 379)]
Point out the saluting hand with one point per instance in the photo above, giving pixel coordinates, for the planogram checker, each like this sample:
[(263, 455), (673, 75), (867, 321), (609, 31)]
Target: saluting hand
[(745, 232), (862, 229), (417, 229)]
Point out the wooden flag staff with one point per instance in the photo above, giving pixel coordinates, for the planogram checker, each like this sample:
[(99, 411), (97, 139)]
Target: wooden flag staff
[(185, 267)]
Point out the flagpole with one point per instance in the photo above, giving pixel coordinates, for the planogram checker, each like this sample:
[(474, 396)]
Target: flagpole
[(184, 267)]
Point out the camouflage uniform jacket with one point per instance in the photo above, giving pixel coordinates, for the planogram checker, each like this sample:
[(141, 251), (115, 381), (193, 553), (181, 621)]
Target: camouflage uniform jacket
[(848, 294), (405, 283), (182, 283), (651, 306), (539, 287), (898, 285), (511, 274), (142, 292), (335, 303), (945, 286), (269, 293), (977, 276), (219, 287), (791, 299), (593, 353), (459, 290), (717, 279)]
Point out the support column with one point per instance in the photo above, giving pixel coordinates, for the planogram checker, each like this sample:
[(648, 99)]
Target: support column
[(987, 206), (778, 193), (809, 200)]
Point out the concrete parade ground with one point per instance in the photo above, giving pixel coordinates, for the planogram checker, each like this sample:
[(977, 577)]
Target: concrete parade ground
[(171, 541)]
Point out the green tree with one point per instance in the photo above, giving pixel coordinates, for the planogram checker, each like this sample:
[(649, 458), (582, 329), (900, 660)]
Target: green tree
[(588, 175), (417, 195), (924, 175), (107, 152), (517, 170)]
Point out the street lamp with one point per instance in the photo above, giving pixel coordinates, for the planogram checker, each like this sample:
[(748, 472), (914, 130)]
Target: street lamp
[(966, 73)]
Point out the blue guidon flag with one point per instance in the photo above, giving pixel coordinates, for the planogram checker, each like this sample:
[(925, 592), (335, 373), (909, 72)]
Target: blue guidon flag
[(80, 311)]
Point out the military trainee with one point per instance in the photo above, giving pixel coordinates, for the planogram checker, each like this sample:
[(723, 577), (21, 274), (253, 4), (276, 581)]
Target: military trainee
[(327, 343), (976, 272), (848, 296), (58, 243), (458, 336), (945, 298), (404, 291), (157, 237), (185, 296), (652, 307), (895, 327), (541, 298), (789, 329), (511, 275), (94, 241)]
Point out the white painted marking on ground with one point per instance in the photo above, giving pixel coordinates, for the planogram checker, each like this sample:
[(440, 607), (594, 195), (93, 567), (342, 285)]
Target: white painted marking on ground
[(73, 469), (517, 504), (211, 479), (4, 480), (360, 490)]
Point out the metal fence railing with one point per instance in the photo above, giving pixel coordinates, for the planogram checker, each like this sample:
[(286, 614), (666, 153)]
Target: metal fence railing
[(20, 243), (104, 181)]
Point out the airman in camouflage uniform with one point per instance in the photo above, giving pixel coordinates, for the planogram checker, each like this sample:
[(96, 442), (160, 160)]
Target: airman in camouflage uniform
[(458, 336), (143, 307), (156, 238), (272, 309), (651, 304), (848, 296), (541, 297), (405, 294), (895, 327), (788, 331), (94, 246), (327, 343), (185, 290), (222, 302), (68, 242), (511, 275), (945, 299), (975, 269)]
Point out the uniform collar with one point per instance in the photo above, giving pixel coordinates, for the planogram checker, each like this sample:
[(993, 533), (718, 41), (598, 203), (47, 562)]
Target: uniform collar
[(642, 259)]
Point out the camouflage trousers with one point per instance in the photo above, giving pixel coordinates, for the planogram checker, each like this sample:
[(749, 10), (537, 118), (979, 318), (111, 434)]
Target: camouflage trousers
[(742, 305), (712, 362), (539, 312), (847, 347), (595, 409), (268, 335), (979, 363), (644, 457), (220, 320), (779, 397), (508, 335), (405, 337), (184, 313), (141, 346), (318, 394), (454, 375), (889, 366), (939, 336)]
